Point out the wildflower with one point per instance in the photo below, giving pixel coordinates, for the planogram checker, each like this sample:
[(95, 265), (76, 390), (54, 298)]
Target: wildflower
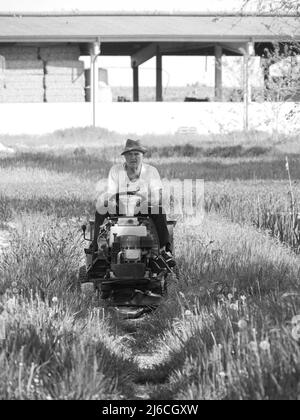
[(243, 298), (54, 300), (230, 296), (222, 374), (234, 306), (242, 324), (287, 295), (264, 345), (296, 332), (295, 320), (14, 284), (15, 291), (11, 303), (188, 313), (253, 345)]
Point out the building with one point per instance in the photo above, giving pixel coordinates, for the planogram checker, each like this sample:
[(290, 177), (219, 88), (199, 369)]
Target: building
[(40, 52)]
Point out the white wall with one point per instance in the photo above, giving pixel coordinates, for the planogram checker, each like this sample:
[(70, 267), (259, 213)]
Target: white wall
[(147, 117)]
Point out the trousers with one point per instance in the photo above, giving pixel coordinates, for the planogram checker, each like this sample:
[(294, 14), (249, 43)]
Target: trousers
[(159, 220)]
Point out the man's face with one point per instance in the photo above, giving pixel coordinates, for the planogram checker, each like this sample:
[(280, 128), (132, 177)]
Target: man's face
[(133, 159)]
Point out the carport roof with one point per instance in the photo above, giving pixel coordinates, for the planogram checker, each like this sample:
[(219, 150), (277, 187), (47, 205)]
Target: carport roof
[(146, 28)]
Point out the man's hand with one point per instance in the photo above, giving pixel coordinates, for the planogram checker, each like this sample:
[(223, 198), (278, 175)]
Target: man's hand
[(105, 203)]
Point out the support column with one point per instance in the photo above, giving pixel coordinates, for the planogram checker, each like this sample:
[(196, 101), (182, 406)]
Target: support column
[(159, 97), (135, 70), (249, 51), (94, 54), (246, 90), (91, 95), (218, 74)]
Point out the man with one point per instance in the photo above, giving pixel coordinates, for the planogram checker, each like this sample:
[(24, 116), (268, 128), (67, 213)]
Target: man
[(136, 177)]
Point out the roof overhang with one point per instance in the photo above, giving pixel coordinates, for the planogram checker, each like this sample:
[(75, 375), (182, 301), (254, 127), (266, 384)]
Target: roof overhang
[(146, 28)]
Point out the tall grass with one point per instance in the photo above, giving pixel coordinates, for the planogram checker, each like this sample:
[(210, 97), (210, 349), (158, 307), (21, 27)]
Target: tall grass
[(265, 205), (99, 139), (43, 258), (225, 330), (56, 344), (224, 326), (48, 354)]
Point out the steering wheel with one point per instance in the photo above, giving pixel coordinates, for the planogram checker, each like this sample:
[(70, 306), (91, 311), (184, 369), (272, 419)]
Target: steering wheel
[(116, 198)]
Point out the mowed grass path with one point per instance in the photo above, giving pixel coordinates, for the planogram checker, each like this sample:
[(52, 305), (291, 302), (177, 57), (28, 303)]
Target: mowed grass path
[(225, 331)]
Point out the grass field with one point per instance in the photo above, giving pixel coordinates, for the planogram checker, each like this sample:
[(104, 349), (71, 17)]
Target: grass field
[(228, 328), (179, 93)]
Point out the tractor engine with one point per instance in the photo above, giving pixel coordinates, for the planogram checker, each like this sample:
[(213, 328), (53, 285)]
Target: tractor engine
[(131, 248)]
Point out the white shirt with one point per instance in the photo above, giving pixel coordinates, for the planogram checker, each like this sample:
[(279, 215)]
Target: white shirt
[(148, 184), (149, 181)]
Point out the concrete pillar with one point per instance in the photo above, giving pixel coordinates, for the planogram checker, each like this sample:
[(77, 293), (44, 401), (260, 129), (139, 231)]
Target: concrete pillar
[(91, 78), (94, 53), (248, 52), (135, 70), (246, 90), (159, 97), (218, 74)]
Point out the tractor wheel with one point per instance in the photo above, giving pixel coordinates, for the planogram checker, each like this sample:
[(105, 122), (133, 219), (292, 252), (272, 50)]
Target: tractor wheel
[(105, 295), (87, 289), (81, 278), (164, 286), (82, 274)]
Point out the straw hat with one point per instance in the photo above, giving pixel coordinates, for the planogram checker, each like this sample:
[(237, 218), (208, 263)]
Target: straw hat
[(132, 145)]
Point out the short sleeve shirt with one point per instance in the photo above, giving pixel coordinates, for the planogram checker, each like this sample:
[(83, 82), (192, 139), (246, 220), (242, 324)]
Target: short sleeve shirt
[(148, 184)]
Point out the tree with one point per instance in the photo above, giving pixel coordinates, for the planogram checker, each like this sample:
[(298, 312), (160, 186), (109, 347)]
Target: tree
[(281, 72), (280, 62)]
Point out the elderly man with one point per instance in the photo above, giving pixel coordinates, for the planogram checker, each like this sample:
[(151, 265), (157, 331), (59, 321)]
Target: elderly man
[(136, 177)]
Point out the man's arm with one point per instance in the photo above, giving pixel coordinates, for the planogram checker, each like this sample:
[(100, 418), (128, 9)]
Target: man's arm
[(155, 188), (112, 182), (110, 190)]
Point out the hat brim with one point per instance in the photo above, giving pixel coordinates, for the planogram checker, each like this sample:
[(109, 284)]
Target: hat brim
[(134, 149)]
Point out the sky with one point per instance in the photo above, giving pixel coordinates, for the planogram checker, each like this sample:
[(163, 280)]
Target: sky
[(177, 71)]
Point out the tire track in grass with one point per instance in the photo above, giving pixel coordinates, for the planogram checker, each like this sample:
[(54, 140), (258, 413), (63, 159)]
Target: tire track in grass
[(4, 240), (152, 359), (5, 234)]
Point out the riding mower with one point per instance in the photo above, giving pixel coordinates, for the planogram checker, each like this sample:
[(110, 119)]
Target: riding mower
[(126, 269)]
